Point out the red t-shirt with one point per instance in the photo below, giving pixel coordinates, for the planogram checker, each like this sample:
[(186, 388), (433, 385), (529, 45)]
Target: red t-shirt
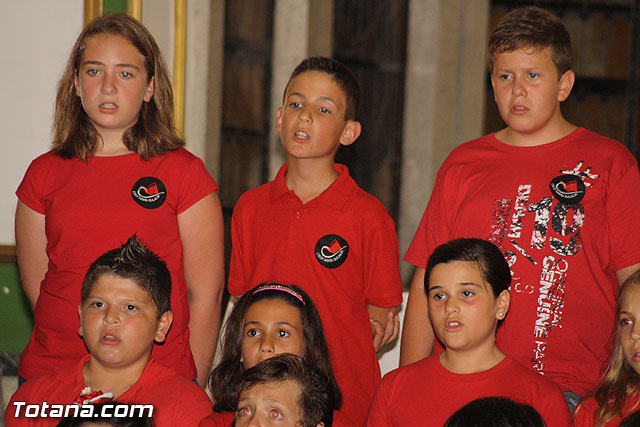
[(565, 214), (176, 400), (342, 249), (91, 208), (583, 414), (424, 393)]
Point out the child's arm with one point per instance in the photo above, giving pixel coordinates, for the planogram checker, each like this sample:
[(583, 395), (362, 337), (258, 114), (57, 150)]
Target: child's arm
[(31, 245), (202, 236), (417, 334), (385, 325)]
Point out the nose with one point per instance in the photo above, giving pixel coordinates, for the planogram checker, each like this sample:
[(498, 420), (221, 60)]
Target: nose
[(266, 345), (108, 84), (518, 87), (111, 315), (635, 332), (305, 114), (450, 306)]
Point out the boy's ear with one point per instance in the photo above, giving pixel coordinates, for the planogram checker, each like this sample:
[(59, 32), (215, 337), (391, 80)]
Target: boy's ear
[(279, 119), (149, 93), (565, 84), (163, 326), (503, 303), (351, 132), (80, 331)]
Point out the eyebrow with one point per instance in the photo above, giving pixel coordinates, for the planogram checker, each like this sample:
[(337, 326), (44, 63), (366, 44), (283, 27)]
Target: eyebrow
[(255, 322), (125, 65), (321, 98), (457, 284)]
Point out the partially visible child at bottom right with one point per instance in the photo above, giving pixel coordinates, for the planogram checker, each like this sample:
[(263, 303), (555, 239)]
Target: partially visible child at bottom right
[(466, 284), (618, 394)]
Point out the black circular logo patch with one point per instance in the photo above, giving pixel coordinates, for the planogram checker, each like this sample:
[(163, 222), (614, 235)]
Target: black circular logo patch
[(568, 189), (149, 192), (331, 251)]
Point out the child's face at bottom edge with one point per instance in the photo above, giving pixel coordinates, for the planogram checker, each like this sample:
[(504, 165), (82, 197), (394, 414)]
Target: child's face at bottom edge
[(119, 322), (311, 122), (265, 404), (629, 326)]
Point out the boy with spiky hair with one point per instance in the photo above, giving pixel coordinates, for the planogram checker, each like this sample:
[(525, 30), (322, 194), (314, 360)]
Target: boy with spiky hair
[(561, 203), (313, 226), (125, 307)]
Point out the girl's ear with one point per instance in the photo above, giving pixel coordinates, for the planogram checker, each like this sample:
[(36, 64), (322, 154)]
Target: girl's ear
[(502, 304), (149, 93), (350, 133), (76, 83), (163, 326)]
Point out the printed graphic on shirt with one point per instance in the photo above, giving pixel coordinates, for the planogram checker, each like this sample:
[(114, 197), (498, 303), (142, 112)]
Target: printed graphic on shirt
[(568, 189), (331, 251), (149, 192), (544, 233)]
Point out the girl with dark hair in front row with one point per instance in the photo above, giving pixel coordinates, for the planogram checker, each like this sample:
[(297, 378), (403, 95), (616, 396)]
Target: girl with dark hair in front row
[(268, 320), (466, 284)]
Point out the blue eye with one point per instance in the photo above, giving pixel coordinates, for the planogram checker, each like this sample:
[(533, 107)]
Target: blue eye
[(533, 75), (126, 74), (294, 104), (92, 72)]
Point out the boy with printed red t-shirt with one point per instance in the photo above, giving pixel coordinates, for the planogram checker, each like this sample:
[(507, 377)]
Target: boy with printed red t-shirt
[(560, 202), (125, 307), (314, 227)]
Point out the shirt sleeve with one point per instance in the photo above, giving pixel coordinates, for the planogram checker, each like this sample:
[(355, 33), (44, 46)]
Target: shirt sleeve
[(383, 285), (434, 228), (236, 267), (30, 189), (378, 411), (623, 213), (196, 184)]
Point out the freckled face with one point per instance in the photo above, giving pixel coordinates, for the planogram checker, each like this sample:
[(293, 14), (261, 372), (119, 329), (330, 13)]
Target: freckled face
[(119, 322), (112, 83), (269, 404), (463, 310), (271, 327), (628, 326), (311, 121)]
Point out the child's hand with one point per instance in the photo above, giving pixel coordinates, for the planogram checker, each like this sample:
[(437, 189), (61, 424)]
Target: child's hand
[(382, 337)]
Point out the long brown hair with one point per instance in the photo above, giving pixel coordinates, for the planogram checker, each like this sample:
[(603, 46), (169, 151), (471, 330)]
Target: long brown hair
[(226, 379), (620, 380), (153, 134)]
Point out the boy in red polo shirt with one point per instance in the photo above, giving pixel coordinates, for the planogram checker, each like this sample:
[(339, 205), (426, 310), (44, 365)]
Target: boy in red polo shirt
[(314, 227), (125, 307)]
